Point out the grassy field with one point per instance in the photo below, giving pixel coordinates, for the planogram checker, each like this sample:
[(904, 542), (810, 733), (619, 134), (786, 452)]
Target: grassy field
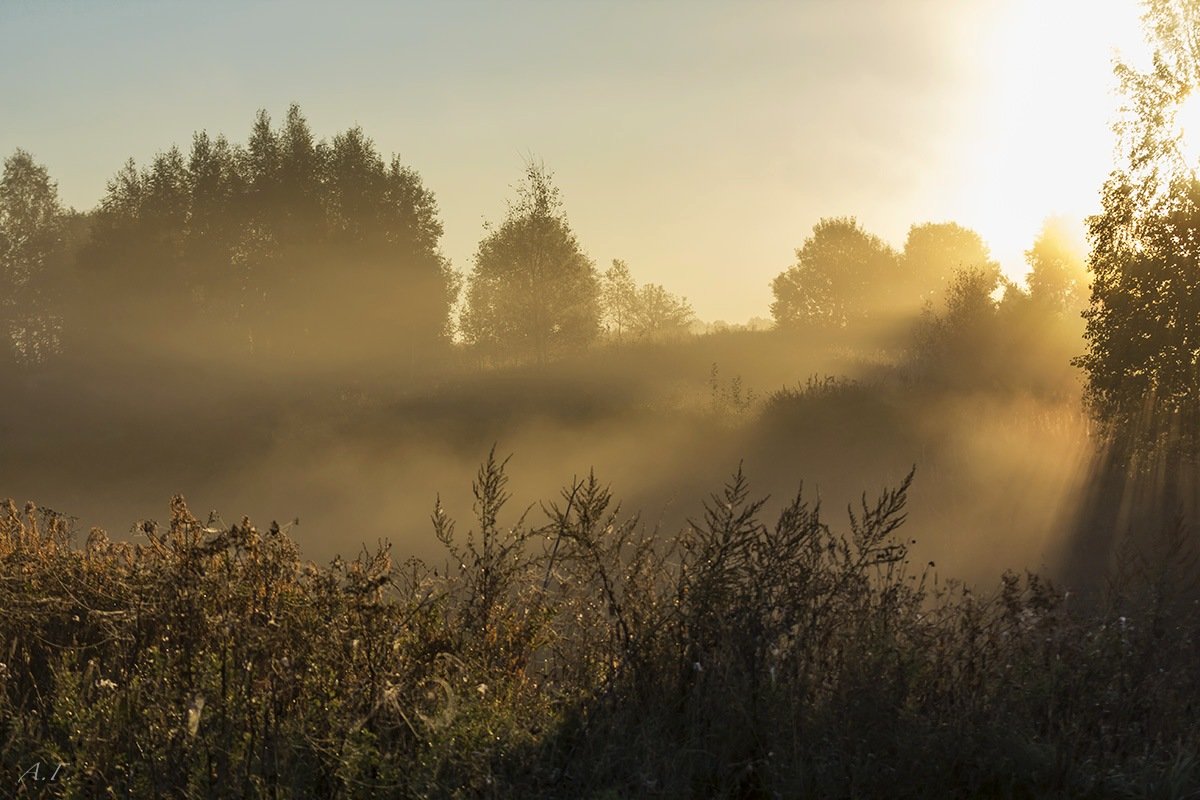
[(574, 652), (770, 641)]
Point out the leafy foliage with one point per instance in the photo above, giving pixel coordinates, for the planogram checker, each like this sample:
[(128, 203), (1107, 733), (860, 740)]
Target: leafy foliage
[(842, 274), (251, 250), (639, 314), (1058, 275), (1143, 341), (532, 292), (30, 223), (583, 656), (935, 253), (966, 321)]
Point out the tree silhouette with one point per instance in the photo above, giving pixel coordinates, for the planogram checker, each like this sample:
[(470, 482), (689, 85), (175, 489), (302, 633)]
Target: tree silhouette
[(285, 248), (935, 252), (1143, 323), (533, 292), (649, 312), (618, 296), (30, 224), (1058, 277), (955, 339), (658, 314), (842, 274)]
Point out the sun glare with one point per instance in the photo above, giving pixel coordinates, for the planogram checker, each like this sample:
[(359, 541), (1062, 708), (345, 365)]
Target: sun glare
[(1043, 140), (1187, 124)]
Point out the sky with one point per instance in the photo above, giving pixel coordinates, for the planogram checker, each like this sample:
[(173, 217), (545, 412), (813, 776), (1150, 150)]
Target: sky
[(699, 141)]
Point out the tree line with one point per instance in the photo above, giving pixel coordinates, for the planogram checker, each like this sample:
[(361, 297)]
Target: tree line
[(290, 248), (845, 276)]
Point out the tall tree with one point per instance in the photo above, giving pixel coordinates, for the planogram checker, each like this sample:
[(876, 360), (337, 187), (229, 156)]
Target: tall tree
[(301, 160), (30, 221), (658, 314), (842, 274), (960, 331), (215, 186), (1058, 277), (533, 292), (618, 296), (648, 312), (934, 253), (1143, 323), (286, 248)]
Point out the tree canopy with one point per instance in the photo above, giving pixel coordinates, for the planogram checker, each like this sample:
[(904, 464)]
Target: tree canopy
[(1058, 277), (934, 253), (30, 224), (842, 274), (1143, 322), (955, 339), (630, 312), (533, 293), (286, 247)]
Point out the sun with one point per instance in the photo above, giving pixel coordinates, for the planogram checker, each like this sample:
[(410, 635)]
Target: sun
[(1039, 141)]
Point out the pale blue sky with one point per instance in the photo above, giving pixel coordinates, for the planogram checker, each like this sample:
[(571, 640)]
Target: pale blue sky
[(699, 141)]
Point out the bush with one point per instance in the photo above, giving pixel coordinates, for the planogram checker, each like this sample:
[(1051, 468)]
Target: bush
[(583, 656)]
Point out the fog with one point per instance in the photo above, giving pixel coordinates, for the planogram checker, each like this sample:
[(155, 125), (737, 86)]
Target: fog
[(360, 456), (270, 329)]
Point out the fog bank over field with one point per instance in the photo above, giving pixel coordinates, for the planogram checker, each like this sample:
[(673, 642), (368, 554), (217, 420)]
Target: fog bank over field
[(663, 424)]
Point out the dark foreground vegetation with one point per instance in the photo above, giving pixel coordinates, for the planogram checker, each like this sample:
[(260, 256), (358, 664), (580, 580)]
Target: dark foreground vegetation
[(275, 322), (573, 652)]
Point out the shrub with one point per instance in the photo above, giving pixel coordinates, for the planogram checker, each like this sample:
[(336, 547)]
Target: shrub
[(581, 656)]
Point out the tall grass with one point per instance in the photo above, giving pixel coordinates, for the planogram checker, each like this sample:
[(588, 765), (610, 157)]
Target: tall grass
[(570, 651)]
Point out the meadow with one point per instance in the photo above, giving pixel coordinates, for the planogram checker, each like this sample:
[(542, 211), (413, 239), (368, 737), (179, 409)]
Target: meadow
[(730, 565)]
